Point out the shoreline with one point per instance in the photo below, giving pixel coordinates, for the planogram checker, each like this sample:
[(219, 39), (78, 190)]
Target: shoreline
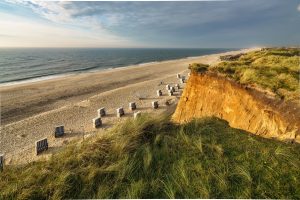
[(75, 73), (23, 100)]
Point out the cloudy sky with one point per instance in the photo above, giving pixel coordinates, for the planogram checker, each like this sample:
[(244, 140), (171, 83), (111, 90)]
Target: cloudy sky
[(236, 23)]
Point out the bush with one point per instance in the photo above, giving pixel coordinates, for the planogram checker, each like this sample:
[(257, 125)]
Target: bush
[(198, 67)]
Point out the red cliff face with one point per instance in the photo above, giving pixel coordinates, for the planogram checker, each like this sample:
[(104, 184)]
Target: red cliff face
[(244, 108)]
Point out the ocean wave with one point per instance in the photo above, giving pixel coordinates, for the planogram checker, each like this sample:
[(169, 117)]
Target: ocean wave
[(148, 63), (32, 80), (48, 63)]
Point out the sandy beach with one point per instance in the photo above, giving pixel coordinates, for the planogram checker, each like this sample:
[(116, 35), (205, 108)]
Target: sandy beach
[(30, 111)]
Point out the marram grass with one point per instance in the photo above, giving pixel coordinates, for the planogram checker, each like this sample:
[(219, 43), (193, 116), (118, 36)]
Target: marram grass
[(273, 69), (154, 158)]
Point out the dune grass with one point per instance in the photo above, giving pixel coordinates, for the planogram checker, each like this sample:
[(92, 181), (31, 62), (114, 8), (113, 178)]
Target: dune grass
[(198, 67), (153, 158), (274, 69)]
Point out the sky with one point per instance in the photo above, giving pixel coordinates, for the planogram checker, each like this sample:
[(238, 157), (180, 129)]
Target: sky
[(132, 24)]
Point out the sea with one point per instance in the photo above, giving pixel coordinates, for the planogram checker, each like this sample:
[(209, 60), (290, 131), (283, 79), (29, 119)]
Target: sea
[(19, 65)]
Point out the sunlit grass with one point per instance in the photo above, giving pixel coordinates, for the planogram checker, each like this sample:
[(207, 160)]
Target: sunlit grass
[(275, 69), (154, 158)]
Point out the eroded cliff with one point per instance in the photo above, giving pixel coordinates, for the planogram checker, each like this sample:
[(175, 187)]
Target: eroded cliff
[(208, 94)]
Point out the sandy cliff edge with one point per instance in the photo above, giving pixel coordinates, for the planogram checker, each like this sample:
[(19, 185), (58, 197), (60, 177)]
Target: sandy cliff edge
[(245, 108)]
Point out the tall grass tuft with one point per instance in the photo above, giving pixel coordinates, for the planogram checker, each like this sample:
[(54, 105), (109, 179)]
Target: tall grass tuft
[(153, 158)]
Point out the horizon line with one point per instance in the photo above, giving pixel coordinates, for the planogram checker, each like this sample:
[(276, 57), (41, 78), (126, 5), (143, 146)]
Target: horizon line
[(9, 47)]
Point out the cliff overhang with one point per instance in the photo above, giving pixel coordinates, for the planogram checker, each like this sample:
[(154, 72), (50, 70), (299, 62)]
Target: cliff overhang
[(209, 94)]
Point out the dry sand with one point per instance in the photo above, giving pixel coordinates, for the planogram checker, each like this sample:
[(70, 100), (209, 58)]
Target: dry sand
[(30, 111)]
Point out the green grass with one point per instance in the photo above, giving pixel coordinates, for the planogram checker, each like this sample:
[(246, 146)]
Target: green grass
[(198, 67), (274, 69), (153, 158)]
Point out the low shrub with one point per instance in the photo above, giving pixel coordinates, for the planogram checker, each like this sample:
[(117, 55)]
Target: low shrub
[(198, 67)]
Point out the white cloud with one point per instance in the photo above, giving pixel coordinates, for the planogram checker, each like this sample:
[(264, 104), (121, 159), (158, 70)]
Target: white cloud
[(20, 32), (53, 11), (162, 23), (56, 11), (89, 31)]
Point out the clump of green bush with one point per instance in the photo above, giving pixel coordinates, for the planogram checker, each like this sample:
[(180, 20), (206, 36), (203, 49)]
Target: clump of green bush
[(198, 67), (153, 158)]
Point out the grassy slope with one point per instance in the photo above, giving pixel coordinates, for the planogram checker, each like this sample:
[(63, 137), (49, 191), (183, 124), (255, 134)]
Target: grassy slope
[(153, 158), (274, 69)]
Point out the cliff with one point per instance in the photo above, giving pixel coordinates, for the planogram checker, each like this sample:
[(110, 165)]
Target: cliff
[(208, 94)]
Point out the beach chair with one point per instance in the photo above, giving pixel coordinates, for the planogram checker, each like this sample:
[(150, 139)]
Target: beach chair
[(59, 131), (154, 104), (97, 122), (101, 112), (41, 145), (132, 106), (120, 112)]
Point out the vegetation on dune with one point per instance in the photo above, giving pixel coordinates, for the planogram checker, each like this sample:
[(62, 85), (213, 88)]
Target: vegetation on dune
[(274, 69), (198, 67), (154, 158)]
